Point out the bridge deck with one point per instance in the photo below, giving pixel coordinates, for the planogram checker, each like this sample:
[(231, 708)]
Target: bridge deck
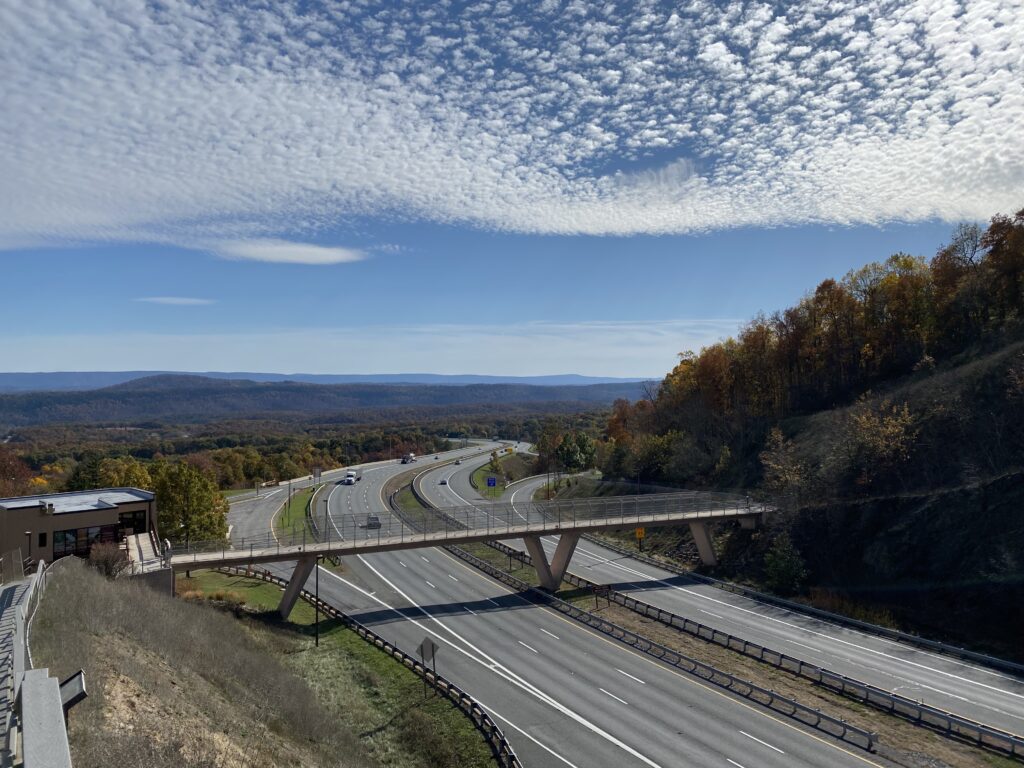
[(468, 524)]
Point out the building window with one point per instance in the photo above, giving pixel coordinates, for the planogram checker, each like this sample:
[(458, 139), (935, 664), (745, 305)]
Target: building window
[(78, 541), (42, 538)]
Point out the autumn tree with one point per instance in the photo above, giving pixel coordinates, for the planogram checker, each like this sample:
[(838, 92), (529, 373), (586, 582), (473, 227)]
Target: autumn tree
[(15, 475), (190, 505), (784, 474), (879, 440), (784, 567), (123, 472)]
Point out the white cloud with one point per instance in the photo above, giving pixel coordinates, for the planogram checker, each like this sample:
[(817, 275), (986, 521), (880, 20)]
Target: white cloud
[(190, 123), (599, 348), (176, 301), (285, 252)]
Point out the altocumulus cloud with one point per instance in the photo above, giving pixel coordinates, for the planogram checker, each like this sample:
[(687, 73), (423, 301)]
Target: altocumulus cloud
[(198, 123), (286, 252)]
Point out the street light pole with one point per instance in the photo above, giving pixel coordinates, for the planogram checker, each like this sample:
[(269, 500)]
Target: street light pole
[(317, 602)]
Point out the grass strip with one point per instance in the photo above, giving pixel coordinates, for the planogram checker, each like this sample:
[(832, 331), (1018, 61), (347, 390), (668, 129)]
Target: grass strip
[(291, 520), (381, 700)]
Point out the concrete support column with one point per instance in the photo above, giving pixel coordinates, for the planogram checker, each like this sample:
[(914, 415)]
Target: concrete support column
[(550, 574), (705, 545), (303, 568)]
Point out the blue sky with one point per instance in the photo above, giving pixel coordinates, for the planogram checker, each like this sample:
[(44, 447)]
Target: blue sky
[(495, 188)]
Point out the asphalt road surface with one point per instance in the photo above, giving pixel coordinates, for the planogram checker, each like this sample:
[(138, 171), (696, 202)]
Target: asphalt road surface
[(970, 690), (563, 694)]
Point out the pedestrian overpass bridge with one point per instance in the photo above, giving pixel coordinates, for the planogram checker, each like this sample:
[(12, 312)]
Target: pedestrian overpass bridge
[(343, 535)]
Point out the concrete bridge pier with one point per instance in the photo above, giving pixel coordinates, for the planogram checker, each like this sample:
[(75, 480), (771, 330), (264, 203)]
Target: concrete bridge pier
[(705, 544), (551, 574), (303, 568)]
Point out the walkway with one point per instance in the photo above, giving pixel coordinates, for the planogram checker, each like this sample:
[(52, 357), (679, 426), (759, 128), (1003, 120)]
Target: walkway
[(11, 597)]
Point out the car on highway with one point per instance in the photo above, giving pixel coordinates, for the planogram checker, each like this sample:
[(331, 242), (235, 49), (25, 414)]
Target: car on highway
[(444, 481), (372, 521), (458, 461)]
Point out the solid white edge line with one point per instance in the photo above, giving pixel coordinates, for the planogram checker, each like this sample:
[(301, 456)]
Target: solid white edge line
[(490, 662)]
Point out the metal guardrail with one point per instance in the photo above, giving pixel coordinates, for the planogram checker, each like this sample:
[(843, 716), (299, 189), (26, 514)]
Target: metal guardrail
[(933, 718), (836, 618), (778, 703), (502, 750), (807, 715)]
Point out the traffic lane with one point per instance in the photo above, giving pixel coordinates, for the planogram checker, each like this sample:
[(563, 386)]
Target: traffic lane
[(349, 505), (540, 733), (980, 694), (623, 692)]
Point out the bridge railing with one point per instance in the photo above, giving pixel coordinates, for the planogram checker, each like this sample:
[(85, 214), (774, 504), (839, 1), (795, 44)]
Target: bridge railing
[(500, 519)]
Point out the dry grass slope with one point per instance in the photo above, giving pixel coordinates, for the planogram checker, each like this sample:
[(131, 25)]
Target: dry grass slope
[(177, 684)]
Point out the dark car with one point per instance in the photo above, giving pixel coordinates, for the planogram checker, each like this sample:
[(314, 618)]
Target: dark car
[(444, 481), (372, 521)]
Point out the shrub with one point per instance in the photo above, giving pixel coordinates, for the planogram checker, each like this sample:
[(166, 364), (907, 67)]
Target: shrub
[(109, 559)]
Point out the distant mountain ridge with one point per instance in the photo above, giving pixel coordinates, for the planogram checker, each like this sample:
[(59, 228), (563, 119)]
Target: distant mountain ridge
[(62, 381), (191, 398)]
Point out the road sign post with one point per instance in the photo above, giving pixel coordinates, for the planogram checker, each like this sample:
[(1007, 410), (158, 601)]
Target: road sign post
[(492, 482), (640, 533), (427, 650)]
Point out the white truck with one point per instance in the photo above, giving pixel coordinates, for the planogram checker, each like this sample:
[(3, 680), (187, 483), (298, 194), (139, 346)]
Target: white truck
[(350, 478)]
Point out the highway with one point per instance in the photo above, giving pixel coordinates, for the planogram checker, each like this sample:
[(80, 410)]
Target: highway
[(563, 694), (972, 691)]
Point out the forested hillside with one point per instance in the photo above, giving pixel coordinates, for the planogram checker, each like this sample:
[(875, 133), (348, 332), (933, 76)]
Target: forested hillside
[(198, 399), (884, 413)]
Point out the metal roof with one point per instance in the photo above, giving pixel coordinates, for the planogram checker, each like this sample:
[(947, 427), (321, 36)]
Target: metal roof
[(79, 501)]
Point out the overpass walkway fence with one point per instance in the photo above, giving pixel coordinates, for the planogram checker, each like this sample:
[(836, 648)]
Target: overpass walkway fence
[(502, 750), (487, 521), (807, 715)]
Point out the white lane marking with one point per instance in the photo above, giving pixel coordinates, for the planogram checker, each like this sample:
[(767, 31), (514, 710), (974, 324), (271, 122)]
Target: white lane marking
[(527, 647), (430, 585), (424, 559), (818, 650), (733, 762), (552, 634), (709, 613), (770, 746), (631, 677), (402, 564), (491, 663), (508, 722), (492, 602), (608, 693), (452, 577), (471, 611), (826, 636)]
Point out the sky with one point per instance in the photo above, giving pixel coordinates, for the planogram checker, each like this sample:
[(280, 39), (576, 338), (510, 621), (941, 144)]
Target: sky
[(482, 187)]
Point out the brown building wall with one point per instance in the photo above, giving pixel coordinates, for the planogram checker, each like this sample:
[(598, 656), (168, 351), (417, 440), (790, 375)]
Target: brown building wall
[(15, 522)]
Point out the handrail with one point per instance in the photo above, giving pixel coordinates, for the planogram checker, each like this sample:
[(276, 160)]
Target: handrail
[(476, 522), (502, 750)]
